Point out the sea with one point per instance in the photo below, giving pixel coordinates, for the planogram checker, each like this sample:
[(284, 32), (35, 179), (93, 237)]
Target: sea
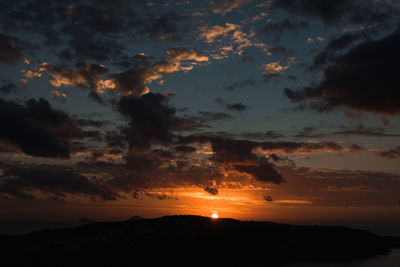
[(390, 260)]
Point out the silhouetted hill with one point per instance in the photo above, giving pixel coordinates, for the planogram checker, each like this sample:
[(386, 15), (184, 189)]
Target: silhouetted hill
[(85, 220), (135, 218), (393, 241), (189, 241)]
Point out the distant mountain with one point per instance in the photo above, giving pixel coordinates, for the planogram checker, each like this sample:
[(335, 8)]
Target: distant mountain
[(188, 241), (85, 220), (135, 218)]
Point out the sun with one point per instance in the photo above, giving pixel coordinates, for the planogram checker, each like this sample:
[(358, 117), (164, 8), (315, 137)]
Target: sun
[(214, 215)]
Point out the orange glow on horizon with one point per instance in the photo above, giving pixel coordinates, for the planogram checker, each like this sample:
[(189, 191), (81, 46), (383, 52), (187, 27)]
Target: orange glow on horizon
[(214, 215)]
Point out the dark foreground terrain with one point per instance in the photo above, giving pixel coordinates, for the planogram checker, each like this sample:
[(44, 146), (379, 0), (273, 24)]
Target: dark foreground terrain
[(188, 241)]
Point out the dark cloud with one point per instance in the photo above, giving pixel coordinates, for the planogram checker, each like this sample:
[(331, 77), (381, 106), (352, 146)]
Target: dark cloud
[(134, 80), (22, 182), (237, 107), (94, 18), (285, 25), (328, 11), (280, 50), (8, 87), (36, 128), (159, 196), (234, 106), (10, 50), (85, 75), (92, 135), (270, 76), (364, 79), (208, 116), (363, 130), (90, 30), (235, 151), (163, 27), (116, 139), (332, 11), (241, 84), (211, 190), (99, 49), (139, 61), (332, 187), (355, 148), (223, 7), (96, 97), (268, 198), (151, 120), (390, 154), (227, 149), (90, 122), (360, 130), (264, 135), (337, 44), (185, 149), (263, 172), (242, 156), (293, 147)]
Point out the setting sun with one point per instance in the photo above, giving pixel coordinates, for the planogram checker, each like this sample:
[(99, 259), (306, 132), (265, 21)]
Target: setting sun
[(214, 215)]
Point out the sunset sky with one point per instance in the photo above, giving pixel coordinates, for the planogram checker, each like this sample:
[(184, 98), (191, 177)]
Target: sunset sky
[(279, 110)]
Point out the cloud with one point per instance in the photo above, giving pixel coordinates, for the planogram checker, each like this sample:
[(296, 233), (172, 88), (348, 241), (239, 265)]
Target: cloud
[(59, 95), (329, 54), (285, 25), (257, 159), (223, 7), (83, 122), (177, 58), (364, 79), (360, 130), (208, 116), (241, 84), (36, 128), (390, 154), (181, 53), (95, 18), (333, 11), (268, 198), (166, 67), (263, 172), (211, 190), (134, 81), (98, 48), (85, 75), (336, 188), (10, 50), (275, 68), (299, 147), (239, 107), (28, 182), (8, 87), (151, 120), (212, 33), (163, 27)]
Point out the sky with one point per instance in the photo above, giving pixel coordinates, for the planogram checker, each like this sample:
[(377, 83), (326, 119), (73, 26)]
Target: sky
[(278, 110)]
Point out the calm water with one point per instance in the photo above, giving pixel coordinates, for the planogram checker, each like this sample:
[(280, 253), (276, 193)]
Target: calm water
[(390, 260)]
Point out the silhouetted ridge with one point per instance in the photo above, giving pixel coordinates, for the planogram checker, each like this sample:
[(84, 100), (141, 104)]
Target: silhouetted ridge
[(85, 220), (188, 241), (135, 218)]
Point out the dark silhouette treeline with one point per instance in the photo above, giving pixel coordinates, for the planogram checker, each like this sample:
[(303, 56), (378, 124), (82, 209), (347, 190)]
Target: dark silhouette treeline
[(188, 241)]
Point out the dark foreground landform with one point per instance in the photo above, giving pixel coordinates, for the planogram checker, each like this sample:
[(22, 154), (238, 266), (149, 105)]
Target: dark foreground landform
[(188, 241)]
